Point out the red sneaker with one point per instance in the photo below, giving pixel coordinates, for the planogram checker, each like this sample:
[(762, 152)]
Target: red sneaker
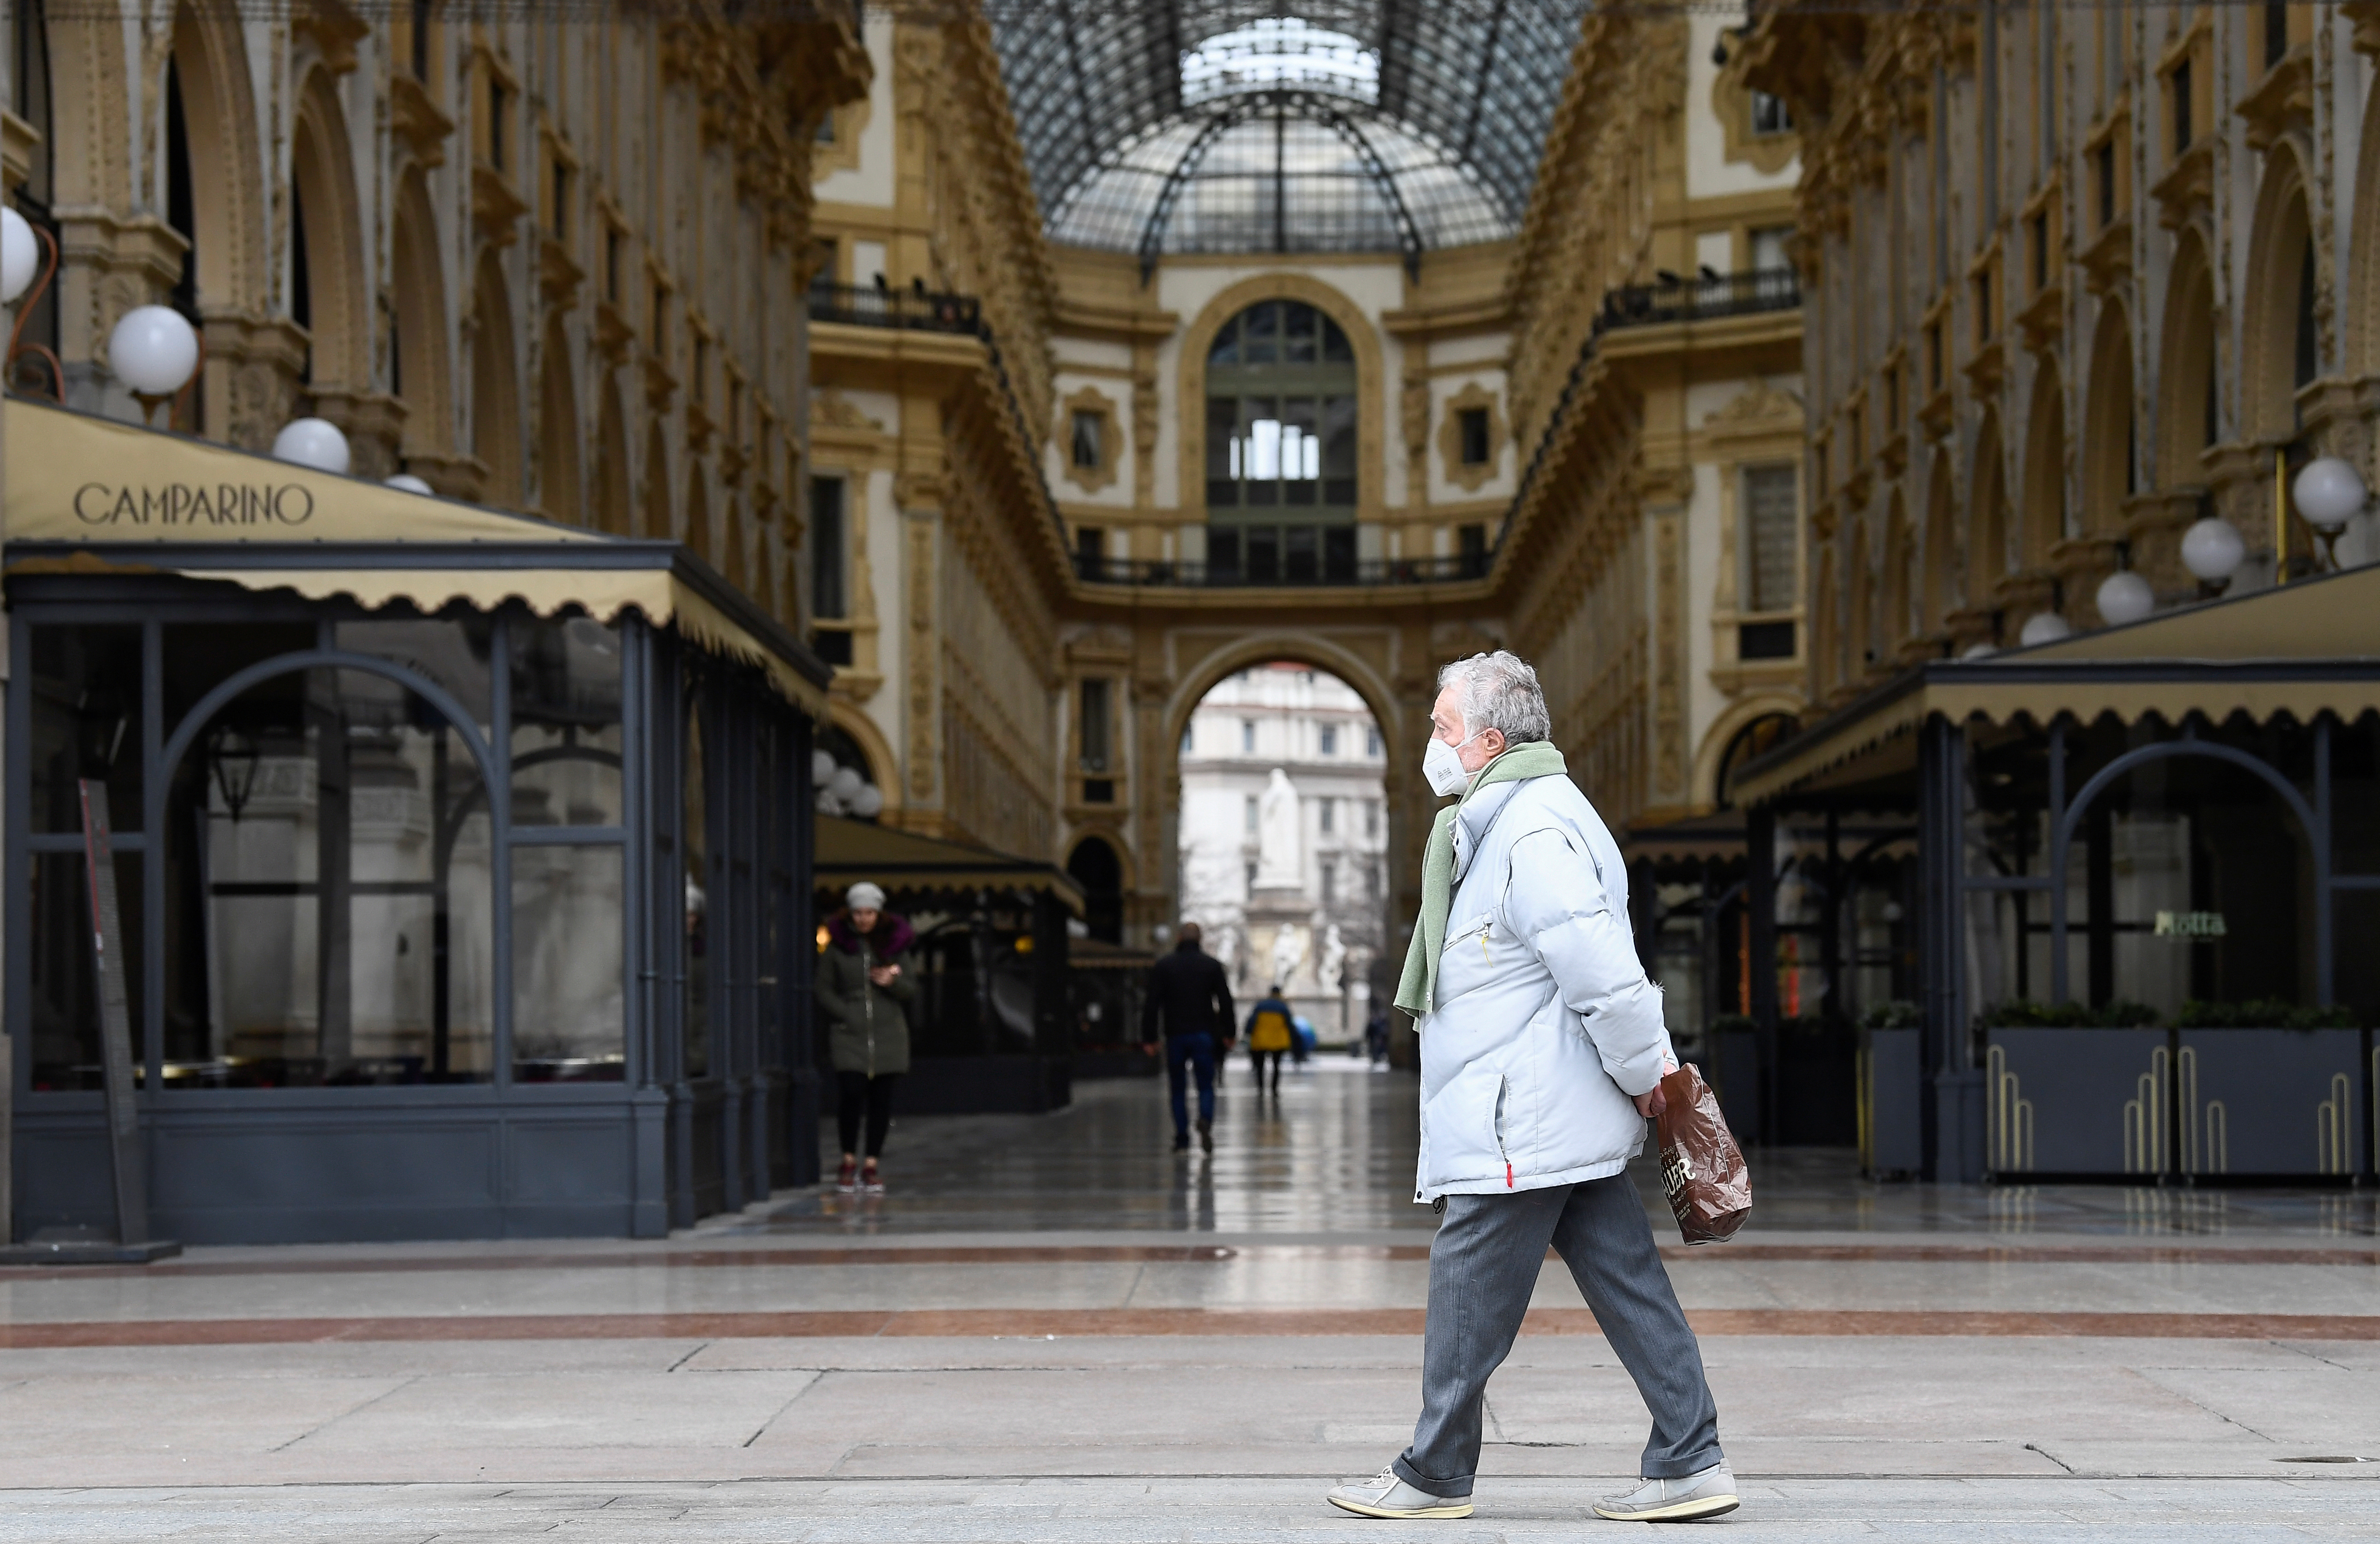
[(846, 1178), (871, 1179)]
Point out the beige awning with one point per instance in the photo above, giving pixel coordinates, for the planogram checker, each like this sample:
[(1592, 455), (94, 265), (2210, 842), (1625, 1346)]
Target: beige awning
[(2309, 648), (849, 851), (86, 494)]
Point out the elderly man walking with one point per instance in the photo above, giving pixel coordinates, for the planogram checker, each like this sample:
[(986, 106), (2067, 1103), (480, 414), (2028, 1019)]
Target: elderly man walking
[(1542, 1051)]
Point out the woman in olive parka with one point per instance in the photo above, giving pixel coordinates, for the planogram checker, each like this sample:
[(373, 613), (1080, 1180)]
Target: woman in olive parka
[(864, 994)]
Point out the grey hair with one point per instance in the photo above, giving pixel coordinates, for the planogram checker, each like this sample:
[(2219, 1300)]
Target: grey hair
[(1499, 691)]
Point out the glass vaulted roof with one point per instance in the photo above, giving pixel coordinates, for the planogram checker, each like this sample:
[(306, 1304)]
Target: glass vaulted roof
[(1351, 125)]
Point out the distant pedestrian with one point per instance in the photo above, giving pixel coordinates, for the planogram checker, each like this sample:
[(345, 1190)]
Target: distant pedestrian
[(864, 994), (1376, 1036), (1542, 1052), (1272, 1031), (1190, 1000)]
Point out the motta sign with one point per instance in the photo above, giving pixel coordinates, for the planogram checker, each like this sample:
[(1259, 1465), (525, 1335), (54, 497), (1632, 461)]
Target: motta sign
[(194, 503), (2191, 924)]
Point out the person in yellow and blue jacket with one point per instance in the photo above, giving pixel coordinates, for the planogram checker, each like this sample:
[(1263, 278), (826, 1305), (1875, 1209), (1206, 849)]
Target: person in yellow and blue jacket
[(1271, 1029)]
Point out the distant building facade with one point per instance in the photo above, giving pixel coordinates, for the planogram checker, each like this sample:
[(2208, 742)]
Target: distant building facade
[(1285, 839)]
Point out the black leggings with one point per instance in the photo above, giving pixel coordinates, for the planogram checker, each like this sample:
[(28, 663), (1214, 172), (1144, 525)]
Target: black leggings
[(871, 1096), (1257, 1058)]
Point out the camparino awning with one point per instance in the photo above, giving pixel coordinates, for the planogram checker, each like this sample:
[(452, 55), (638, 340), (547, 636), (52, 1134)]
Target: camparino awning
[(2305, 649), (91, 494), (849, 851)]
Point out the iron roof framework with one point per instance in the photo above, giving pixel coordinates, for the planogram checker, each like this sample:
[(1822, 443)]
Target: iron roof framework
[(1434, 141)]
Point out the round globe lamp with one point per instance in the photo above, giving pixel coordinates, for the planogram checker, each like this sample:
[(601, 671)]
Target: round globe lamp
[(154, 351), (2045, 627), (20, 256), (315, 443), (2213, 550), (2124, 598), (2329, 494)]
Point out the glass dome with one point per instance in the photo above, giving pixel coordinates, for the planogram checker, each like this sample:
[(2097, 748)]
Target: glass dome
[(1364, 126)]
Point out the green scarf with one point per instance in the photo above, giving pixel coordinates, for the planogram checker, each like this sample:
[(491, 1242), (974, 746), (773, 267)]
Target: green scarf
[(1418, 988)]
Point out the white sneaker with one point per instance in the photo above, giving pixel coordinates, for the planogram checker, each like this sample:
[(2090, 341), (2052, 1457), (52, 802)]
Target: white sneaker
[(1707, 1494), (1387, 1495)]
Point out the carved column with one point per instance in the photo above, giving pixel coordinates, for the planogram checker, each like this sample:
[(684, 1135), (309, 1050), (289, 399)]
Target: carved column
[(919, 498)]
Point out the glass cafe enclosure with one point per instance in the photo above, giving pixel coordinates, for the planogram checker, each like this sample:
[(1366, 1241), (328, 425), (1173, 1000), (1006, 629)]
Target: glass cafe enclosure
[(370, 999), (447, 918), (2139, 920)]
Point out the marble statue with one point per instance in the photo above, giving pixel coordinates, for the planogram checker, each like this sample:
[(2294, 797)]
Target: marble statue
[(1334, 961), (1287, 953), (1280, 836)]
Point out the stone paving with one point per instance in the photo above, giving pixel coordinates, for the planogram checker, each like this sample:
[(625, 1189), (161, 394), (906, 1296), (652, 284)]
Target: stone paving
[(1055, 1330)]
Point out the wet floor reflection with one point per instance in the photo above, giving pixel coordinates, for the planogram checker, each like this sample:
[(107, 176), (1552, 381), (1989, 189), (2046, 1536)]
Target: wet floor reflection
[(1335, 1154)]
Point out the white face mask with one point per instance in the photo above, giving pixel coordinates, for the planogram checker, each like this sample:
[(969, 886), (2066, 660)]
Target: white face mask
[(1443, 768)]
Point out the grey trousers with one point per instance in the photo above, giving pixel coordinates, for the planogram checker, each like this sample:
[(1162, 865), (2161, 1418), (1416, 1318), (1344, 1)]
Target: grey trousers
[(1483, 1266)]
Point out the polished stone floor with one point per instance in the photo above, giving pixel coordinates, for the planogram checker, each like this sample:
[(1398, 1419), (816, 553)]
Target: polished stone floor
[(1056, 1329), (1335, 1154)]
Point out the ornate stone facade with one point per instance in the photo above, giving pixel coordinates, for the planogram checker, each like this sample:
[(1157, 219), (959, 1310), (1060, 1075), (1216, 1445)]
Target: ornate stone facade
[(2076, 277), (550, 265)]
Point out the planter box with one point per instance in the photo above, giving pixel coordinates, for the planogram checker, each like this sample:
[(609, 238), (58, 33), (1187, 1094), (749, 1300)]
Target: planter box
[(2085, 1102), (1891, 1103), (2204, 1103), (2271, 1101)]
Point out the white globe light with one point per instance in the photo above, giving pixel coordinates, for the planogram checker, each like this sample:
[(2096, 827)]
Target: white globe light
[(1979, 651), (20, 256), (315, 443), (822, 767), (2212, 549), (869, 802), (2046, 626), (2329, 494), (408, 483), (2125, 597), (846, 784), (153, 351)]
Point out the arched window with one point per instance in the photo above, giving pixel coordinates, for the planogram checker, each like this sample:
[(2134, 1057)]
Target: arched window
[(1281, 447)]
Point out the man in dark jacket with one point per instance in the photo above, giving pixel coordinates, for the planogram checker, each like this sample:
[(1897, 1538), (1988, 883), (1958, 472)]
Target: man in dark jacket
[(1189, 997)]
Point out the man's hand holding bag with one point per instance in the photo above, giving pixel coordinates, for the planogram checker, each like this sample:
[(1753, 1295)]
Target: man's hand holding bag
[(1702, 1168)]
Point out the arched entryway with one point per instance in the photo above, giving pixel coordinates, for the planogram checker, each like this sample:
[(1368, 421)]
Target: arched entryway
[(1282, 848)]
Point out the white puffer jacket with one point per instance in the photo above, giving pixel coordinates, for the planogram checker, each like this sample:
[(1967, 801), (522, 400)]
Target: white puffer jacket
[(1544, 1025)]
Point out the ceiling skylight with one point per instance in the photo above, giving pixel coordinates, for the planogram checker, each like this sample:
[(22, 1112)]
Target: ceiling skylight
[(1280, 53)]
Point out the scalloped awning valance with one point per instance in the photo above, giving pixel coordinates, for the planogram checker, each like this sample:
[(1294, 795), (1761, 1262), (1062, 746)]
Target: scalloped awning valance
[(93, 495), (2306, 649)]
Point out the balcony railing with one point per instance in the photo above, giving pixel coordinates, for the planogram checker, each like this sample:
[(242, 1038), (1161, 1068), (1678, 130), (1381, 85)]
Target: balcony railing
[(1317, 572), (922, 310), (1711, 296)]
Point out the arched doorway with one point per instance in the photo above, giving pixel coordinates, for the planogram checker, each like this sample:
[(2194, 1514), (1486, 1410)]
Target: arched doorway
[(1096, 867), (1284, 839)]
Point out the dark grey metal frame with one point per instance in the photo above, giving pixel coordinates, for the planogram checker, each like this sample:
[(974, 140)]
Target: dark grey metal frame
[(538, 1142), (1322, 108)]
